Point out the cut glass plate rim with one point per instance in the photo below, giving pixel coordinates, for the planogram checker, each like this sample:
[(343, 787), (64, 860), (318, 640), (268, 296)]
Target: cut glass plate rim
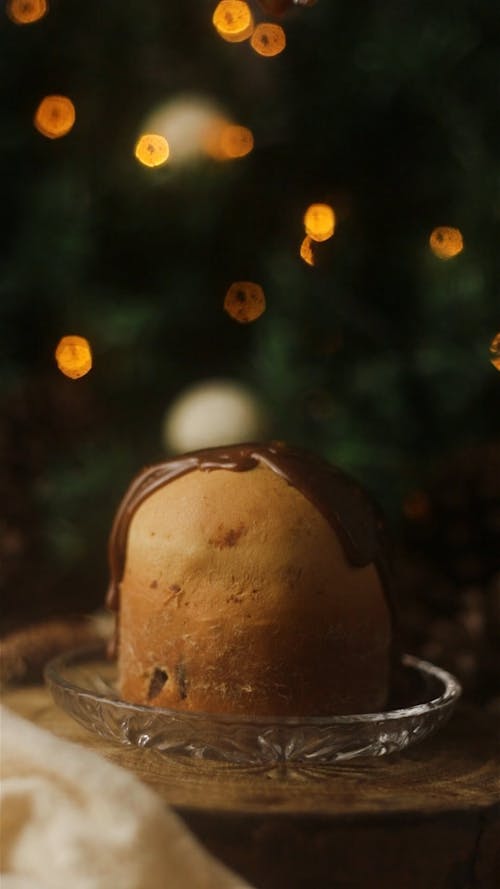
[(450, 691)]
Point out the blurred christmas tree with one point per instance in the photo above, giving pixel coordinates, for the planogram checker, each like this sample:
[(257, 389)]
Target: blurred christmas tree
[(377, 356)]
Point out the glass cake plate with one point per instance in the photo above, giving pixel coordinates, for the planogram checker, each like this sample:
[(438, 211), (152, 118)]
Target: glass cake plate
[(83, 683)]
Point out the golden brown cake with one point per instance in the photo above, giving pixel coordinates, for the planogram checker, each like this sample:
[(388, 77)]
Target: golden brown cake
[(251, 579)]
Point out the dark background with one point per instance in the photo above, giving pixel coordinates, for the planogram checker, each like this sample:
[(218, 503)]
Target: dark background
[(378, 358)]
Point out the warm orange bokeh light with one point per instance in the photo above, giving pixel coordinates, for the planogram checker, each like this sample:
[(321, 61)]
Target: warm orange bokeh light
[(54, 116), (233, 20), (152, 150), (74, 356), (446, 242), (268, 39), (306, 251), (416, 506), (236, 141), (319, 222), (495, 351), (227, 141), (245, 301), (24, 12)]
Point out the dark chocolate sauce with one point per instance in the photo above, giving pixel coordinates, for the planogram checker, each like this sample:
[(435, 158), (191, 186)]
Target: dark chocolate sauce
[(338, 497)]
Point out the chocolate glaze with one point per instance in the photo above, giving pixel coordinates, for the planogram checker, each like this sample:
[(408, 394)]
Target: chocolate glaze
[(338, 497)]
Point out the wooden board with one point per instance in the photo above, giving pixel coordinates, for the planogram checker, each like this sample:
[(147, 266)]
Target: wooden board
[(428, 818)]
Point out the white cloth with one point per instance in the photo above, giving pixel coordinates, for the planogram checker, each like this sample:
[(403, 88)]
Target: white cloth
[(70, 818)]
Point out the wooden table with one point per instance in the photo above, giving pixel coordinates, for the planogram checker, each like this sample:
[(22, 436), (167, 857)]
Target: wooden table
[(428, 818)]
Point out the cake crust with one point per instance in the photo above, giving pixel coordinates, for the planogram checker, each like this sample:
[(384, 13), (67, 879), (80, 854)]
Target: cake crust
[(237, 595)]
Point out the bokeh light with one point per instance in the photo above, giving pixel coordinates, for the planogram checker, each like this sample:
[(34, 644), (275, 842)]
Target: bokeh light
[(416, 506), (236, 141), (446, 242), (73, 356), (319, 222), (213, 412), (228, 141), (191, 123), (152, 150), (233, 20), (245, 301), (495, 351), (55, 116), (306, 251), (268, 39), (25, 12)]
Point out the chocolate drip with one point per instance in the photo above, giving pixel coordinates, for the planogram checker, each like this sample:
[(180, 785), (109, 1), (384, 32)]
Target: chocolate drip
[(338, 497)]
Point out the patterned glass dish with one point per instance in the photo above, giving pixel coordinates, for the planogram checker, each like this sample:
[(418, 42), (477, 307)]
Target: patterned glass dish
[(83, 683)]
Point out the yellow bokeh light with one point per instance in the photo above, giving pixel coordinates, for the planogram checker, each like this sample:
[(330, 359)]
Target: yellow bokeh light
[(495, 351), (25, 12), (319, 222), (306, 251), (73, 356), (233, 20), (245, 301), (446, 242), (54, 116), (226, 141), (152, 150), (268, 39)]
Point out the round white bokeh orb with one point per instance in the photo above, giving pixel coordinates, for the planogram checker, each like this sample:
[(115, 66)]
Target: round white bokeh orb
[(213, 413), (187, 123)]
